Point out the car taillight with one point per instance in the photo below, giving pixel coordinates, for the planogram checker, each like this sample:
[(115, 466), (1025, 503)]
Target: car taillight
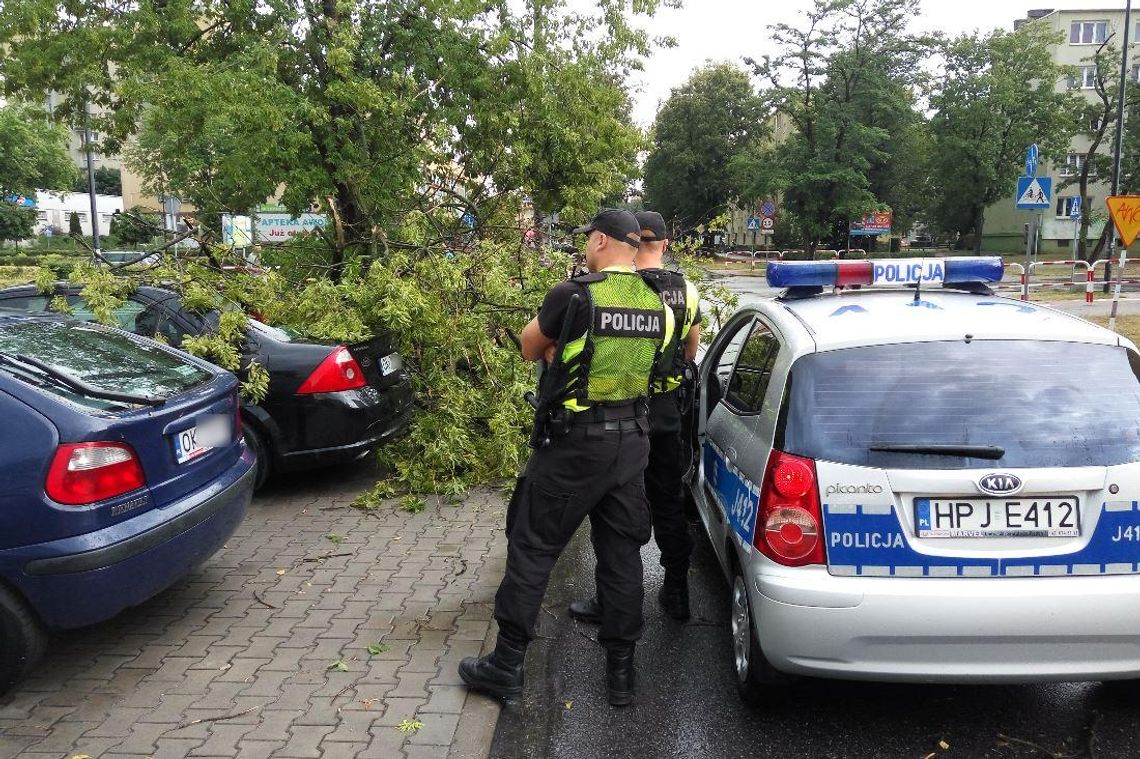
[(83, 473), (790, 523), (339, 371)]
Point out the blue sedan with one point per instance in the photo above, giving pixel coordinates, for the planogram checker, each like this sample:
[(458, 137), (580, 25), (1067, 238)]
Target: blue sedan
[(122, 467)]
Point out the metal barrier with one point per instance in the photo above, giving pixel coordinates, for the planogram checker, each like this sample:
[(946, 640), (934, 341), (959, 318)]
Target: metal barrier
[(1073, 280)]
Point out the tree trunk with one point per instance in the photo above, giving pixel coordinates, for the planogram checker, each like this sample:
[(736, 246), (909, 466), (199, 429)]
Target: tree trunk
[(979, 225)]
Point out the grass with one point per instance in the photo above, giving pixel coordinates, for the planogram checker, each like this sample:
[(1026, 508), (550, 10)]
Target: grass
[(16, 275), (1128, 326)]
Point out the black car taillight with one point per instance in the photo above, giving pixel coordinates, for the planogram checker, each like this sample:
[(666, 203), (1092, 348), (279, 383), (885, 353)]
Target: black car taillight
[(339, 371)]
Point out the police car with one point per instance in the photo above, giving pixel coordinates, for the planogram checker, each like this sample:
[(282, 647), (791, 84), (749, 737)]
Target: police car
[(924, 483)]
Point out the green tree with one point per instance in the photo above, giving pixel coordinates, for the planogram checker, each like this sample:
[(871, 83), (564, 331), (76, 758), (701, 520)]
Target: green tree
[(137, 226), (352, 107), (699, 132), (996, 95), (33, 156), (108, 181), (395, 119), (74, 228), (1095, 120), (845, 78), (16, 222)]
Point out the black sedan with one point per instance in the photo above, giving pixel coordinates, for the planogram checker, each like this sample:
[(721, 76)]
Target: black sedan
[(326, 404)]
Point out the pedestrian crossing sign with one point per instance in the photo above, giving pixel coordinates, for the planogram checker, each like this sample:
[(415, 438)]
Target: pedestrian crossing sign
[(1034, 193)]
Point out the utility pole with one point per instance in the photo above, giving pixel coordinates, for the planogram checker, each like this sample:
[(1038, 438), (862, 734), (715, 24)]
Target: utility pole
[(1116, 161), (88, 148)]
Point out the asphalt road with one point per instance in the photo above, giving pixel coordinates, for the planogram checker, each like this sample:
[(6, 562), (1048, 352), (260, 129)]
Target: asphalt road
[(688, 707)]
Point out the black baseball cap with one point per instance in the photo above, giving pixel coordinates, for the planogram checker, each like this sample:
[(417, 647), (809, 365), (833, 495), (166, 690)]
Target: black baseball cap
[(655, 223), (620, 225)]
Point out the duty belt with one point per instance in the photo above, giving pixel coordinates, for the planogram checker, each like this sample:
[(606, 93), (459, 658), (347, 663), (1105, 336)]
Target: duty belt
[(612, 413)]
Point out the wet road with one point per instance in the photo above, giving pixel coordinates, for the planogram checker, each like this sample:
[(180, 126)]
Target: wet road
[(688, 707)]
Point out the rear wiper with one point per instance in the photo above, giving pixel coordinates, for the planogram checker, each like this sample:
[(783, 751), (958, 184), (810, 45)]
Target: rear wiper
[(77, 384), (992, 452)]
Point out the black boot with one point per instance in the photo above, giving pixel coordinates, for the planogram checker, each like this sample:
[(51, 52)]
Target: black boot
[(499, 673), (619, 675), (674, 596), (588, 611)]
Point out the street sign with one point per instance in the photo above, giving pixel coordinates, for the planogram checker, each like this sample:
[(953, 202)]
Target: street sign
[(1125, 210), (1034, 193), (753, 224), (768, 209), (1031, 155), (1075, 209), (469, 219), (767, 224)]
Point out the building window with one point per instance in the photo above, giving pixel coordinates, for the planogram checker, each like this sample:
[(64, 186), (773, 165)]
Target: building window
[(104, 218), (1066, 206), (41, 217), (1094, 125), (1073, 165), (1088, 32), (1085, 78)]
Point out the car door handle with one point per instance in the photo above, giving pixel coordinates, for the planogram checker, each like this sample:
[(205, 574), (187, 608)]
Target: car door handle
[(730, 452)]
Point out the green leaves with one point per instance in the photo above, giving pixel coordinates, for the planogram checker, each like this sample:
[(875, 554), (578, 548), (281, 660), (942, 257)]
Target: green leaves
[(377, 648), (998, 95), (409, 726), (721, 99), (33, 155)]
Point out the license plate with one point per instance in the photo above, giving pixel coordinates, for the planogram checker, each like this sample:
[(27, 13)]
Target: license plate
[(200, 439), (1056, 516), (391, 363)]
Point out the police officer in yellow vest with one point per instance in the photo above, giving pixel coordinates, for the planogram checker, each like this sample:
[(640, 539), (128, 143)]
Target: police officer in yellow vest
[(611, 330), (665, 470)]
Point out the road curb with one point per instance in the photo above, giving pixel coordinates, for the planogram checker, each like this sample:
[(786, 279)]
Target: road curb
[(479, 717)]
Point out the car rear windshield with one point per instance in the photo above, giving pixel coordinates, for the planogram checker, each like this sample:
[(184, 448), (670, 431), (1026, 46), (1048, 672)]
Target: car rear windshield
[(1045, 404), (107, 360)]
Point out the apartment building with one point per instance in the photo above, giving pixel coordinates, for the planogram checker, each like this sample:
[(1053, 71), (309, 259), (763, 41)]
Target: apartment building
[(133, 194), (1082, 31)]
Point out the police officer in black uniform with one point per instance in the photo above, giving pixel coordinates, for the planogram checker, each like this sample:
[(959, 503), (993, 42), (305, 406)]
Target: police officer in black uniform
[(604, 335), (666, 454)]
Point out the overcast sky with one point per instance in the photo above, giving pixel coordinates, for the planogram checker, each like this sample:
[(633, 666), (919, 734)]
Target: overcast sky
[(719, 30)]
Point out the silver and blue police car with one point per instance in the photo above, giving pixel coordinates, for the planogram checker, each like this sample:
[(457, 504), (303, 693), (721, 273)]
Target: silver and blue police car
[(924, 483)]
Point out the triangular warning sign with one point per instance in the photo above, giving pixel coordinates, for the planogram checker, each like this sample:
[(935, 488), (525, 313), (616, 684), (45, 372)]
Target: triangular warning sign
[(1033, 195), (1125, 210)]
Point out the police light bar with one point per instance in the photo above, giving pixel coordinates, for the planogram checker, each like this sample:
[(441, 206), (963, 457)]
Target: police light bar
[(932, 272)]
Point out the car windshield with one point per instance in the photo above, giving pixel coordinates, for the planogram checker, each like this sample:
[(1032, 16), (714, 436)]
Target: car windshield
[(102, 359), (1038, 404)]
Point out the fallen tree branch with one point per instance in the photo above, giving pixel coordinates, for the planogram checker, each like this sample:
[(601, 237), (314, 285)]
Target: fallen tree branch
[(263, 602), (220, 718)]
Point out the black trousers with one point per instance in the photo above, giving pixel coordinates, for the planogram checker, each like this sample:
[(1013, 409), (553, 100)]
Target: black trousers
[(666, 495), (590, 472)]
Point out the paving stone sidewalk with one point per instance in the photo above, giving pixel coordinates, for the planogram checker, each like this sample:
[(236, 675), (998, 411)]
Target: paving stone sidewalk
[(263, 652)]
